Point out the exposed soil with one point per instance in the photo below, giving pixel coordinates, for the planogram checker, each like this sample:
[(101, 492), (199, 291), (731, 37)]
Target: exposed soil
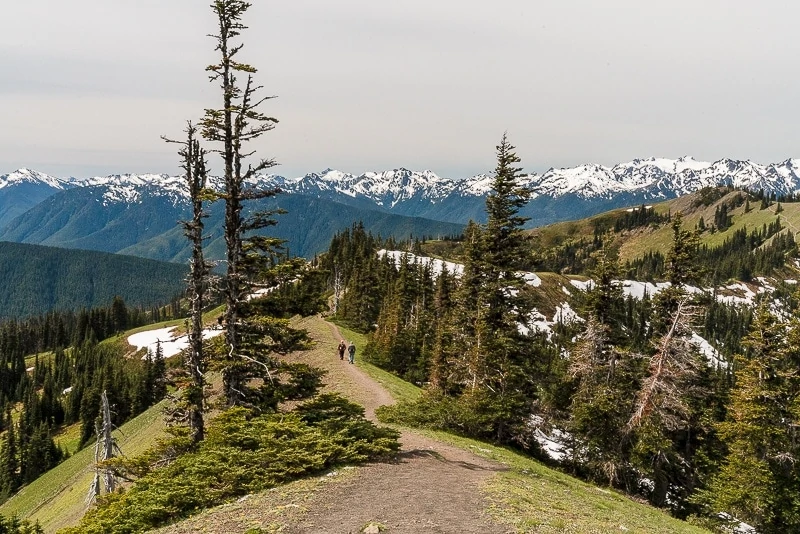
[(429, 487)]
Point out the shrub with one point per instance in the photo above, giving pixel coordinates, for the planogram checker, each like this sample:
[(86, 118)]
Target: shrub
[(241, 454)]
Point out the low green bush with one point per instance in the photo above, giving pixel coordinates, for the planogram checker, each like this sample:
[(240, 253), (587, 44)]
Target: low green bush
[(241, 454), (13, 525), (469, 415)]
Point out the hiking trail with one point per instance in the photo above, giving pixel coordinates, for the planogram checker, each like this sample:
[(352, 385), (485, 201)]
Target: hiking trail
[(429, 487)]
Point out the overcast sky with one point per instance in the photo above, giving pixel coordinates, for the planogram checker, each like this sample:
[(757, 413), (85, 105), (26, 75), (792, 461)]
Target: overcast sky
[(88, 86)]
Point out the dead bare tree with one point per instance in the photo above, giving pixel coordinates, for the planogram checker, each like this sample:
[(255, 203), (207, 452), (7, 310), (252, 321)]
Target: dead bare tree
[(194, 168), (671, 367), (105, 449), (338, 287)]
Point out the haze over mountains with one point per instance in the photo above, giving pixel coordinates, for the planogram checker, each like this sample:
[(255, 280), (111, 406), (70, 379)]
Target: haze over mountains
[(137, 214)]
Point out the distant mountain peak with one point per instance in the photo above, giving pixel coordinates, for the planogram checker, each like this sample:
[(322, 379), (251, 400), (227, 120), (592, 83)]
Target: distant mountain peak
[(25, 175)]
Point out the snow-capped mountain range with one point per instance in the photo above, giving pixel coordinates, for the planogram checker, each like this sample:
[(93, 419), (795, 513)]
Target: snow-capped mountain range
[(651, 178), (425, 194), (138, 213)]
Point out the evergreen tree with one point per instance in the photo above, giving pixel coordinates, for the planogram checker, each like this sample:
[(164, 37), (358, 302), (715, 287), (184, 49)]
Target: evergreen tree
[(9, 477), (493, 361), (159, 373), (759, 479), (505, 242), (681, 270), (443, 311), (462, 358), (234, 125), (601, 405), (607, 373), (119, 314), (508, 363)]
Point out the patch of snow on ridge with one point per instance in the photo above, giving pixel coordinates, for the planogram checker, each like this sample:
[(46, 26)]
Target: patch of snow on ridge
[(566, 315), (587, 285), (170, 343), (637, 290), (742, 294), (739, 527), (437, 266), (536, 322), (531, 279), (706, 349), (553, 443)]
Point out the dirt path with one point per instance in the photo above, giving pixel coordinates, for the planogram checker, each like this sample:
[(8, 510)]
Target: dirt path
[(429, 487), (371, 394)]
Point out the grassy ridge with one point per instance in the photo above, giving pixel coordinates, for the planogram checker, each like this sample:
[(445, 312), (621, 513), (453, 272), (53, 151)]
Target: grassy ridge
[(58, 498), (639, 241), (531, 497)]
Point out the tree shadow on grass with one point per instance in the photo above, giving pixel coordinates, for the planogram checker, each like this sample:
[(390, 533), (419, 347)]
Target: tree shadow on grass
[(423, 454)]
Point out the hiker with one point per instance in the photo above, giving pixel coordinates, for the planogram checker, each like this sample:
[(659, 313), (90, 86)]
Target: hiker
[(352, 350), (341, 348)]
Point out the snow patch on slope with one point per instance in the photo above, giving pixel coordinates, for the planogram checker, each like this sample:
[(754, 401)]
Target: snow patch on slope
[(706, 349), (436, 266), (171, 343)]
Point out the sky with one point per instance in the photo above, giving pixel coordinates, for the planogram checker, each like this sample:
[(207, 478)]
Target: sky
[(89, 86)]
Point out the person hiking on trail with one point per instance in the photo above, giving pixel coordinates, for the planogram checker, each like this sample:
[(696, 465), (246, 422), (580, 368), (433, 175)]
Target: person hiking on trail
[(352, 350), (341, 348)]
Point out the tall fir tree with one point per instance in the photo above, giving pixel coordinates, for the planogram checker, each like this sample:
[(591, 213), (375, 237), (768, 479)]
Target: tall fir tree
[(159, 373), (508, 365), (759, 479), (606, 369), (443, 310), (493, 361), (237, 123), (462, 355)]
